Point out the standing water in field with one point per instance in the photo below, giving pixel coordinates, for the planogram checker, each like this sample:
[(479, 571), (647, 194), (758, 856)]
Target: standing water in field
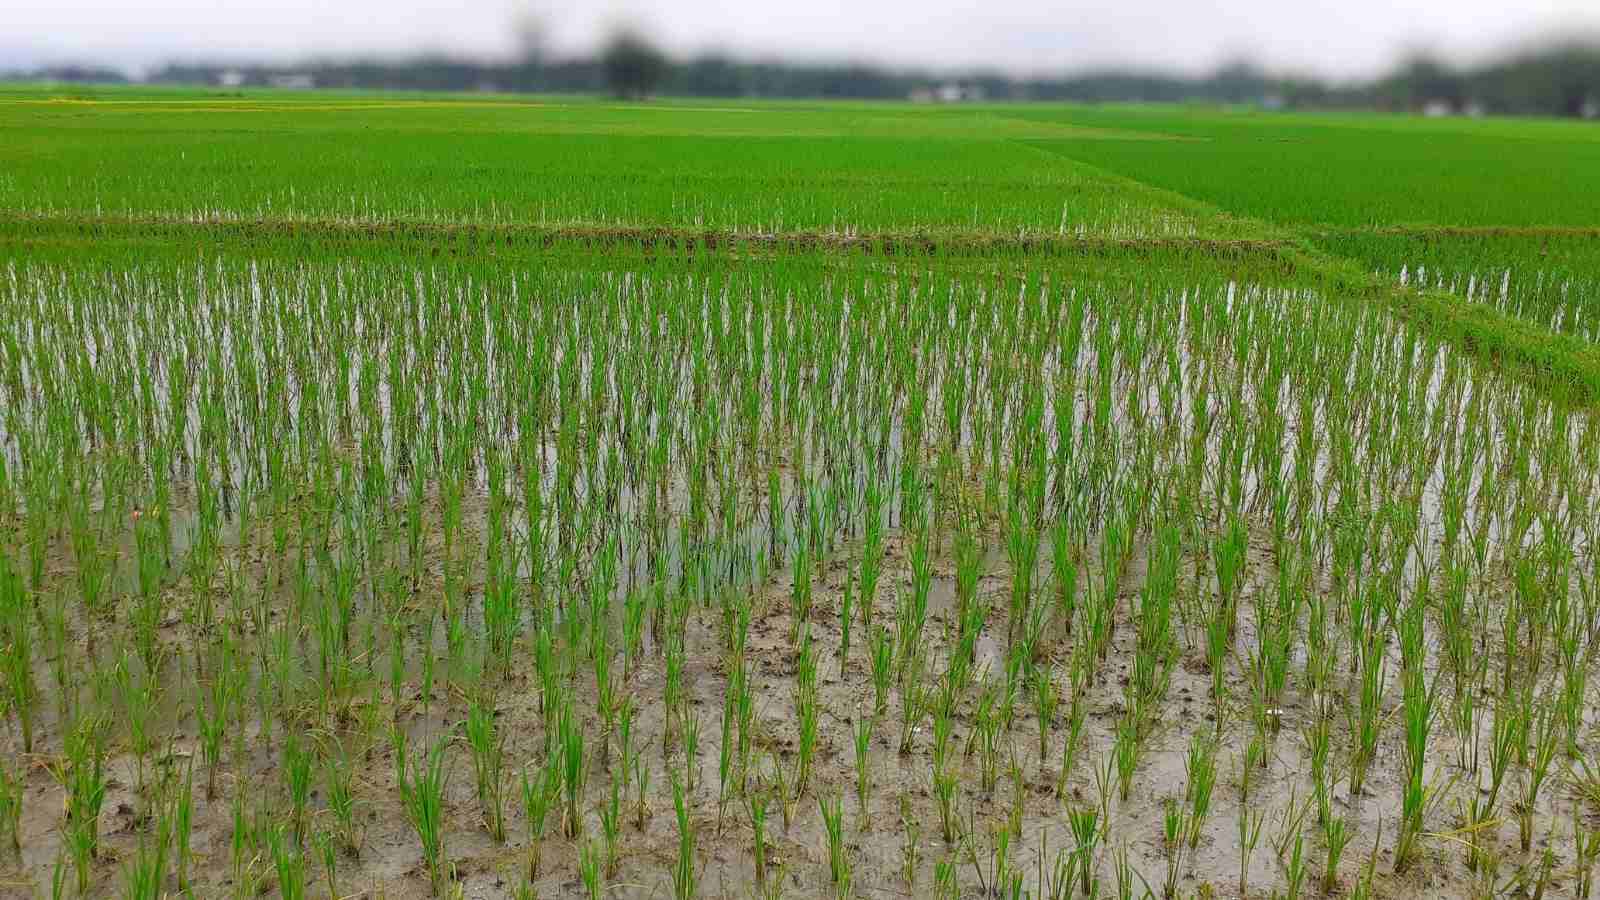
[(839, 572)]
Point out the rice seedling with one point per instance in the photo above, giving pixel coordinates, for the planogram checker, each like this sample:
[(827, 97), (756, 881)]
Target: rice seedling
[(1365, 722), (1506, 736), (944, 711), (641, 782), (1417, 794), (569, 751), (806, 710), (16, 632), (1290, 820), (136, 703), (781, 792), (298, 763), (914, 701), (338, 777), (863, 748), (1250, 822), (1364, 885), (288, 863), (181, 808), (1542, 880), (82, 775), (243, 842), (988, 731), (756, 802), (1295, 866), (800, 605), (993, 872), (589, 870), (421, 783), (839, 867), (1219, 646), (743, 702), (605, 683), (1318, 746), (1124, 873), (1545, 744), (846, 620), (10, 808), (1474, 814), (488, 763), (689, 731), (1174, 829), (685, 876), (1337, 835), (611, 827), (725, 774), (945, 783), (1125, 753), (1022, 549), (1045, 700), (327, 846), (882, 669), (1201, 769), (1586, 840), (146, 873), (1103, 781), (1084, 822), (539, 793), (1019, 794), (910, 845), (945, 880)]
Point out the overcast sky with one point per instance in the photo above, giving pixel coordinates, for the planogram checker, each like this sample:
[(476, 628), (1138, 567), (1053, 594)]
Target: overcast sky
[(1335, 38)]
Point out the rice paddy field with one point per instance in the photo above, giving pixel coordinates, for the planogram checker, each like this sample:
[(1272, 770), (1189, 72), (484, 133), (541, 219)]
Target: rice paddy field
[(406, 496)]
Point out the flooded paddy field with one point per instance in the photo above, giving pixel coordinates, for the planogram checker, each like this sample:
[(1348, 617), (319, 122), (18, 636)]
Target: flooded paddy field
[(794, 577), (530, 499)]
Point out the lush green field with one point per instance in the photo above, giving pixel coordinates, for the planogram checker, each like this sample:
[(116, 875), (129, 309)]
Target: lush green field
[(1357, 170), (765, 168), (863, 166), (409, 496)]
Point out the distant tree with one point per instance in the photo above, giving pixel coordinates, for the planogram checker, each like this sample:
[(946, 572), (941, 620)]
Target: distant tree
[(1560, 78), (1420, 80), (633, 66), (712, 75), (532, 35), (1239, 81)]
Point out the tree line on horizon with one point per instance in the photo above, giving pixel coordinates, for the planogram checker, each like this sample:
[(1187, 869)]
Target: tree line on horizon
[(1555, 80)]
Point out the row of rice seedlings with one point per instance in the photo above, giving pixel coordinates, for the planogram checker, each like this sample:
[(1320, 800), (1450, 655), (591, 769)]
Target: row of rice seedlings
[(1562, 300)]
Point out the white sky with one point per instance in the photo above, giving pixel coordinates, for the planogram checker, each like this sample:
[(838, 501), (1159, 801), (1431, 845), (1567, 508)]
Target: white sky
[(1338, 38)]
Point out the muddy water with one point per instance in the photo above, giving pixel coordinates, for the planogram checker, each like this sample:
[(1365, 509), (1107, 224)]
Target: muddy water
[(390, 863)]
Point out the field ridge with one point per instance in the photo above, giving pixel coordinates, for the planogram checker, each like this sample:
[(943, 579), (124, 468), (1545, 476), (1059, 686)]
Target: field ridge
[(1567, 366), (577, 235)]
